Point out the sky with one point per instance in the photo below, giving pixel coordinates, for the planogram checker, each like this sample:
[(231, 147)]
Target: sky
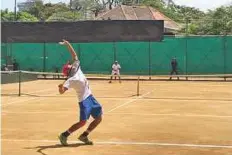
[(203, 5)]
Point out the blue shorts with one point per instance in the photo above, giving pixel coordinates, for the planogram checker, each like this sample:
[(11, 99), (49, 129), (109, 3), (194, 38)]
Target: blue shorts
[(88, 107)]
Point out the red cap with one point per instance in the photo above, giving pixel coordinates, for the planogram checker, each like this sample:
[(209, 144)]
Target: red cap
[(65, 69)]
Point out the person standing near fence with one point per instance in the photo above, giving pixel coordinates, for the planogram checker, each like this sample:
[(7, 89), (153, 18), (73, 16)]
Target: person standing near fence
[(174, 65), (115, 71), (15, 65), (87, 103), (4, 68)]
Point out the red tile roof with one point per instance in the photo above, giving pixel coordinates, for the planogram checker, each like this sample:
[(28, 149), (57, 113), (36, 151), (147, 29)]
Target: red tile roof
[(124, 12)]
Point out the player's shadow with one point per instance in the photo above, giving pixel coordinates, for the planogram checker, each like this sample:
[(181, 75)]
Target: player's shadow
[(42, 148)]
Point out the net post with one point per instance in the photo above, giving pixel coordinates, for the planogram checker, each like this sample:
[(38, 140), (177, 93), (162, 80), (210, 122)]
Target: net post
[(138, 85), (19, 83)]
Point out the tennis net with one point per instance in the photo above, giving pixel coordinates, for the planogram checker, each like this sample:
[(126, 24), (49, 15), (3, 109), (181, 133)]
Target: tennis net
[(17, 83), (12, 82), (25, 82)]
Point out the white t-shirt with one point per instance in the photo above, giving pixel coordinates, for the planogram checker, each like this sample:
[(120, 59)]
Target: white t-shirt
[(116, 67), (79, 83)]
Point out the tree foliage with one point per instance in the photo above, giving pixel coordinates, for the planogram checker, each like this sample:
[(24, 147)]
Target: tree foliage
[(7, 16), (215, 22), (51, 9), (194, 21), (64, 16), (26, 17)]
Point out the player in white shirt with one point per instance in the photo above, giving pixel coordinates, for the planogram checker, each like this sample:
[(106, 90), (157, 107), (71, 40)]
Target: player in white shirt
[(115, 71), (87, 103)]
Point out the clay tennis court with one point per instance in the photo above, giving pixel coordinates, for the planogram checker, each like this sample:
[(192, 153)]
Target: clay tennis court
[(169, 117)]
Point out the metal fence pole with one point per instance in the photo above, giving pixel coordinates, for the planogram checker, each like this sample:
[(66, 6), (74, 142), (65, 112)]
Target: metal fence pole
[(44, 56), (186, 49), (115, 51), (149, 59), (225, 46), (15, 10), (225, 53)]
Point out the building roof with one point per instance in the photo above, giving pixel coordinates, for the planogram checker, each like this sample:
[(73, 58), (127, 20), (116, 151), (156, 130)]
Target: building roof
[(124, 12)]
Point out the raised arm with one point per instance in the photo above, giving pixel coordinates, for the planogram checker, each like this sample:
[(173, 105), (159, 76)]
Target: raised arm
[(70, 48)]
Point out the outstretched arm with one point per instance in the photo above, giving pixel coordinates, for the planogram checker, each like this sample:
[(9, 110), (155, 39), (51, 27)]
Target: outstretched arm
[(70, 48), (62, 89)]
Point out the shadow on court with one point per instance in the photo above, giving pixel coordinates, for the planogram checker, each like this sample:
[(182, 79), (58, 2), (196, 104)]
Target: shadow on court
[(45, 147)]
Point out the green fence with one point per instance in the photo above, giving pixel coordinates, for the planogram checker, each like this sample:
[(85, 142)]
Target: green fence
[(195, 55)]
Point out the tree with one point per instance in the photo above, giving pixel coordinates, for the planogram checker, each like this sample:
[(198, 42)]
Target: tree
[(157, 4), (127, 2), (50, 9), (216, 22), (7, 16), (26, 17), (65, 16), (88, 7), (36, 8)]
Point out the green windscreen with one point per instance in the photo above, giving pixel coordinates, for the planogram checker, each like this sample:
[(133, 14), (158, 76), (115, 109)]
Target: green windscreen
[(3, 53), (30, 56), (228, 55), (162, 54), (133, 57), (56, 57), (205, 55), (96, 57), (194, 54)]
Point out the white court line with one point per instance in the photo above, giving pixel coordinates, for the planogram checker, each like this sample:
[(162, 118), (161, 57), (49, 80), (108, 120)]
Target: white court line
[(126, 143), (5, 105), (181, 99), (39, 112), (38, 91), (120, 113), (128, 102), (24, 101), (26, 130), (177, 115), (13, 93), (189, 99), (29, 99)]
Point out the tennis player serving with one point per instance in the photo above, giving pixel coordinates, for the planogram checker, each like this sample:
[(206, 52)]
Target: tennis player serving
[(87, 103)]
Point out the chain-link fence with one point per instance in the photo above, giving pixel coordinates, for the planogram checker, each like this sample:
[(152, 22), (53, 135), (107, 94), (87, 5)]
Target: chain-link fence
[(194, 54)]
